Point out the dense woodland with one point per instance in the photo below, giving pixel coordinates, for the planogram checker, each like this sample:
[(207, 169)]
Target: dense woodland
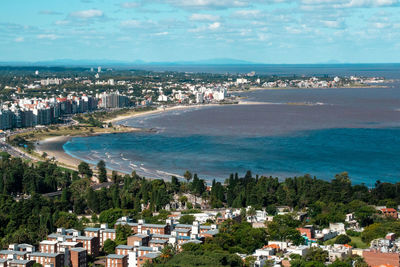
[(27, 216)]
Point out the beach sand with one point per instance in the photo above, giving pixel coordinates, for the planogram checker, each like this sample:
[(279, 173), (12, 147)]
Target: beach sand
[(157, 111), (54, 148)]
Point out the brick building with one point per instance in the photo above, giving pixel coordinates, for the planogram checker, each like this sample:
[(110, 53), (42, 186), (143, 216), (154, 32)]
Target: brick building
[(123, 249), (389, 212), (48, 246), (114, 260), (140, 226), (56, 259), (102, 233), (78, 257), (90, 243), (149, 257), (11, 254), (138, 240), (21, 263), (307, 231)]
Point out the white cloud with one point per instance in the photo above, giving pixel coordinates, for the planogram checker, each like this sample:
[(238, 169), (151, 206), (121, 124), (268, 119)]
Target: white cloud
[(132, 23), (214, 26), (381, 25), (374, 3), (48, 36), (87, 14), (140, 24), (333, 23), (247, 14), (208, 4), (62, 22), (161, 33), (130, 5), (204, 17), (313, 4), (19, 39)]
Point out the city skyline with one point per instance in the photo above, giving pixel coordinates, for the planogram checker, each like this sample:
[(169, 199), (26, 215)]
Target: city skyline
[(269, 32)]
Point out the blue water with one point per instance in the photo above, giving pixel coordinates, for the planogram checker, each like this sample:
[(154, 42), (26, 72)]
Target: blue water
[(355, 130), (367, 154), (326, 132), (389, 70)]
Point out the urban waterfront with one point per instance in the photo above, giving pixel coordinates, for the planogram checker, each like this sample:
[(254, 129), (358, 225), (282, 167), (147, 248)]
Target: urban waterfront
[(302, 131)]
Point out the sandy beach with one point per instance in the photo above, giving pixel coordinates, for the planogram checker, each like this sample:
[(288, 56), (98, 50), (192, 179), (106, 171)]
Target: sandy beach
[(158, 111), (54, 146)]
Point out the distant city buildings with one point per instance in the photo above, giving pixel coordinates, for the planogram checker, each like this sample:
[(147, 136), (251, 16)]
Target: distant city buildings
[(30, 112), (112, 100)]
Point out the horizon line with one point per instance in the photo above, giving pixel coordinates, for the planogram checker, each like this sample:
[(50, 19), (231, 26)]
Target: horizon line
[(87, 62)]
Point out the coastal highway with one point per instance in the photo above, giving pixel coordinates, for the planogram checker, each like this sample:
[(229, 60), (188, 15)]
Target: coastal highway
[(13, 151)]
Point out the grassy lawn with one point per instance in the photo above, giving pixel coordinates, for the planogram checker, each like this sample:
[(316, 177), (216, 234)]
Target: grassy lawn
[(109, 115), (355, 242), (41, 134)]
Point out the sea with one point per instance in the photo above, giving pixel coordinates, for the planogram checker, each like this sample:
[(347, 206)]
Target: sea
[(279, 133)]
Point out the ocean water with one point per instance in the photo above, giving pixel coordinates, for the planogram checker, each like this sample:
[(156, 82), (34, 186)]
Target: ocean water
[(295, 132), (389, 70)]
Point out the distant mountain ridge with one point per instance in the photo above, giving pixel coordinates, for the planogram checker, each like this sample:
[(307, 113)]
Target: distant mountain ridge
[(106, 62)]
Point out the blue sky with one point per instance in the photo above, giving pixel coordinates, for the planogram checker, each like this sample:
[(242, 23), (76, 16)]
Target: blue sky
[(265, 31)]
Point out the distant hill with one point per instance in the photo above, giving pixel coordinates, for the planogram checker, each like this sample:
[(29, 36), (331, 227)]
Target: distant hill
[(105, 62)]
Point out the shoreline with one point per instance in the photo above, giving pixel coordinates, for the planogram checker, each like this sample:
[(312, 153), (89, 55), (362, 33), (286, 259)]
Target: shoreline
[(159, 111), (253, 89), (53, 146)]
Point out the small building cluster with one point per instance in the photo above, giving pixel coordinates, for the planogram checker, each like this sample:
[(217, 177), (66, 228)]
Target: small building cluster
[(150, 239), (68, 247), (37, 111)]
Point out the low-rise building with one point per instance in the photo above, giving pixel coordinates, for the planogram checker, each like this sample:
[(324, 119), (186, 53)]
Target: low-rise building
[(48, 246), (123, 249), (90, 243), (54, 259), (147, 258), (78, 257), (11, 254), (114, 260), (138, 240), (389, 212), (21, 263)]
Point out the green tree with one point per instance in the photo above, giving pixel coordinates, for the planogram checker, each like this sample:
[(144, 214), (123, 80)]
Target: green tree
[(317, 255), (187, 219), (187, 175), (342, 239), (109, 246), (110, 216), (101, 166), (123, 232), (85, 170)]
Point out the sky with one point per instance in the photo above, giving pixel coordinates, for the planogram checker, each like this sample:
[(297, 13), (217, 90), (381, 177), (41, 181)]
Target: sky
[(262, 31)]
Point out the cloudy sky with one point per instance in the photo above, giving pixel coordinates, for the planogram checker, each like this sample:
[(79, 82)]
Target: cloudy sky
[(265, 31)]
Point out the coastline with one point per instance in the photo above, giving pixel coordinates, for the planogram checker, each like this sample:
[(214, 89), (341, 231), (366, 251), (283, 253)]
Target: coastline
[(253, 89), (158, 111), (53, 146)]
